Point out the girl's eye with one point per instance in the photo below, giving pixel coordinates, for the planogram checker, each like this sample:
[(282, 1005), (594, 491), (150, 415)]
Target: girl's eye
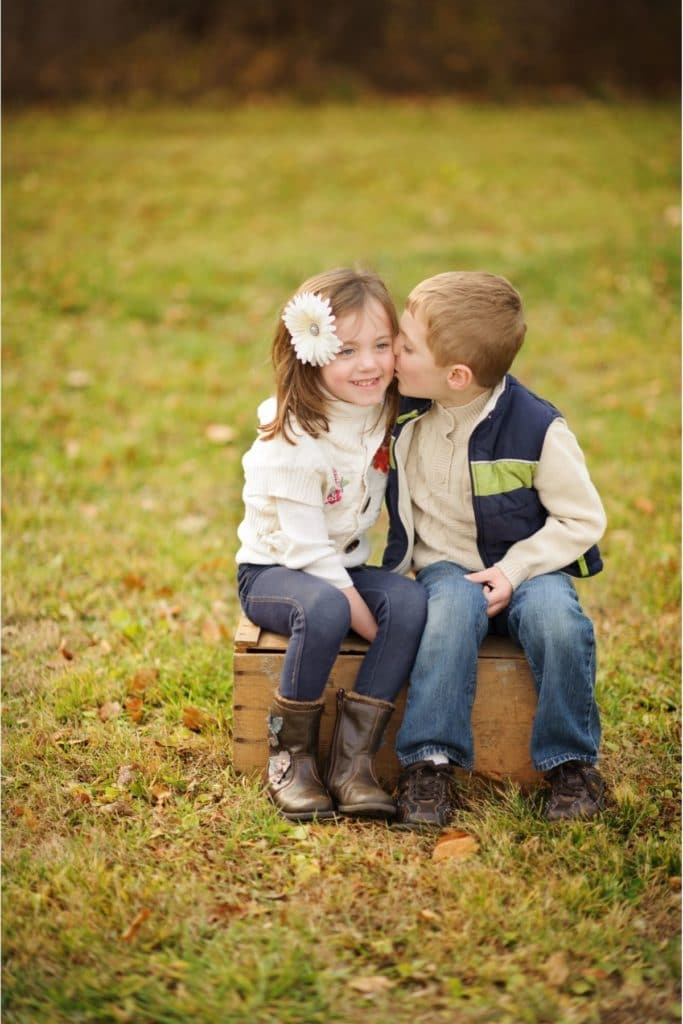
[(346, 352), (382, 345), (406, 348)]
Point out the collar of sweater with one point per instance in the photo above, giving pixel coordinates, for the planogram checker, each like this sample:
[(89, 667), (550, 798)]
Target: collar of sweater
[(457, 417), (364, 419), (361, 417)]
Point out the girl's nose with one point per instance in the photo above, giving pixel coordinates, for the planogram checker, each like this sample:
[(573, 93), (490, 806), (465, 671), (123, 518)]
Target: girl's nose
[(367, 359)]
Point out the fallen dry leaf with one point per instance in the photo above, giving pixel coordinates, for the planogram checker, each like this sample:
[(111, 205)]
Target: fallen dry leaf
[(219, 433), (162, 852), (168, 611), (64, 650), (556, 969), (192, 524), (196, 719), (25, 815), (110, 709), (78, 379), (64, 737), (132, 581), (211, 631), (672, 216), (127, 773), (134, 707), (143, 678), (227, 911), (645, 505), (371, 984), (121, 807), (455, 846), (161, 794), (135, 924), (80, 796)]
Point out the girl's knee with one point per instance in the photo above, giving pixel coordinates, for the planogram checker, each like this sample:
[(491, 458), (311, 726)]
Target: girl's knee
[(410, 593), (397, 596), (328, 614), (408, 605)]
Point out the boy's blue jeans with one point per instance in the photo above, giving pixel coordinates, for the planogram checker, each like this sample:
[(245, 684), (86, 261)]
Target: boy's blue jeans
[(316, 616), (545, 619)]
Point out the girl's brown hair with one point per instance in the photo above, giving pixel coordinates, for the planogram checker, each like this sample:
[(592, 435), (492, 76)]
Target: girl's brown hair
[(298, 387)]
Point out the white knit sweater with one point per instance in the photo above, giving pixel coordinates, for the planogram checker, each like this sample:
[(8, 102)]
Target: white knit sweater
[(309, 505)]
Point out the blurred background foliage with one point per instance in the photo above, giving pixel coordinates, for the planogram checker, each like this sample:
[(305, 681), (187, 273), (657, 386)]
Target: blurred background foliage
[(494, 49)]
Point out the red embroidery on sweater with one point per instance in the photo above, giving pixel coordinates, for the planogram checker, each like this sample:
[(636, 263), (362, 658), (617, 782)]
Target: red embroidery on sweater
[(336, 493), (381, 459)]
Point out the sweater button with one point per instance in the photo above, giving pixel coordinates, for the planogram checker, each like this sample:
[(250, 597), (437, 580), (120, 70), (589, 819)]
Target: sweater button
[(351, 547)]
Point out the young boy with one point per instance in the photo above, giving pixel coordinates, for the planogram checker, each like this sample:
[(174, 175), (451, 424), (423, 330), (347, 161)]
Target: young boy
[(491, 505)]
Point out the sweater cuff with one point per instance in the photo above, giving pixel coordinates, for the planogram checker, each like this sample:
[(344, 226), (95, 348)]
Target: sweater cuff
[(330, 570), (515, 571)]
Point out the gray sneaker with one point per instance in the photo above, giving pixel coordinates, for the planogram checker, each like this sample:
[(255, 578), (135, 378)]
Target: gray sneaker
[(577, 791), (426, 796)]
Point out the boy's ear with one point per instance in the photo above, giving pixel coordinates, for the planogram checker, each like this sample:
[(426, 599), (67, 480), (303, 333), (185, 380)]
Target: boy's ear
[(459, 377)]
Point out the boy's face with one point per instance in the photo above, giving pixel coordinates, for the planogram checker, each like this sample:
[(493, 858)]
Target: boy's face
[(417, 373)]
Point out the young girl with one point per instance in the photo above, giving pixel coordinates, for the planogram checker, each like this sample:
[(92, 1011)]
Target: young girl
[(315, 482)]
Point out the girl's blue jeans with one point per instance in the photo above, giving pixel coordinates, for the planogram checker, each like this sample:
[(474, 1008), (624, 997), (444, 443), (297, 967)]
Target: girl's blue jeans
[(316, 617), (545, 619)]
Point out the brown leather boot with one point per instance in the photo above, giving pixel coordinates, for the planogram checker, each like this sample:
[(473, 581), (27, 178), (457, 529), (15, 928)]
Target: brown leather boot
[(350, 776), (294, 784)]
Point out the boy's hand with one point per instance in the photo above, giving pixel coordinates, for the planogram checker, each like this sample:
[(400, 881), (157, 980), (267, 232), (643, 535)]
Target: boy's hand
[(497, 588)]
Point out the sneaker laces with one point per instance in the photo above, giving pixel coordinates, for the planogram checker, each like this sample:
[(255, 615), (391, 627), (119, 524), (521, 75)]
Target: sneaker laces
[(428, 782), (571, 779), (568, 779)]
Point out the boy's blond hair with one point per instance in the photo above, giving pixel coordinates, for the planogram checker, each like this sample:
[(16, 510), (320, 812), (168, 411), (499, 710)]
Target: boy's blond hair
[(472, 318)]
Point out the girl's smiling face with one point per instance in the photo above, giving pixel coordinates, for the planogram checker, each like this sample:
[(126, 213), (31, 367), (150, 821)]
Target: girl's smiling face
[(364, 366)]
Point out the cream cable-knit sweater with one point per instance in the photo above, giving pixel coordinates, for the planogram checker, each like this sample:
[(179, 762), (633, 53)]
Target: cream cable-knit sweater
[(439, 482), (309, 505)]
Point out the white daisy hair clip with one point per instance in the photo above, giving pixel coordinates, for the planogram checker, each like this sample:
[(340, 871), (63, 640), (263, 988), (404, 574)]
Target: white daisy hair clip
[(309, 319)]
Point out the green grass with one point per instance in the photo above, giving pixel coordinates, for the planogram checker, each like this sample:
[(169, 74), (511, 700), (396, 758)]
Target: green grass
[(147, 254)]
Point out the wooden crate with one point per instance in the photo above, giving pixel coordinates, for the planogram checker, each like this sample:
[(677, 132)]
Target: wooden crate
[(502, 716)]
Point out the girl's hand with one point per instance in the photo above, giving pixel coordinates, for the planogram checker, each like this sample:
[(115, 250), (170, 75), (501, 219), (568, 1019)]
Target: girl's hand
[(497, 588), (362, 619)]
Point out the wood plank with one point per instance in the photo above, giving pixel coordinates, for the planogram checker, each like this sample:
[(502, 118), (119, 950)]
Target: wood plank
[(247, 634), (249, 637)]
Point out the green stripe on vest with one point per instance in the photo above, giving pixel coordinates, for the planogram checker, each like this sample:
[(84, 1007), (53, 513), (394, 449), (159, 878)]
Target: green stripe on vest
[(501, 476), (405, 416)]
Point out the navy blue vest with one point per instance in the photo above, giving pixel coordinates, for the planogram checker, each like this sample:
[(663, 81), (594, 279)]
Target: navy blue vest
[(504, 449)]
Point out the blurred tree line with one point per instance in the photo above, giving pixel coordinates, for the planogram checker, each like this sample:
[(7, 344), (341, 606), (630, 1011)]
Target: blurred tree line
[(71, 49)]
